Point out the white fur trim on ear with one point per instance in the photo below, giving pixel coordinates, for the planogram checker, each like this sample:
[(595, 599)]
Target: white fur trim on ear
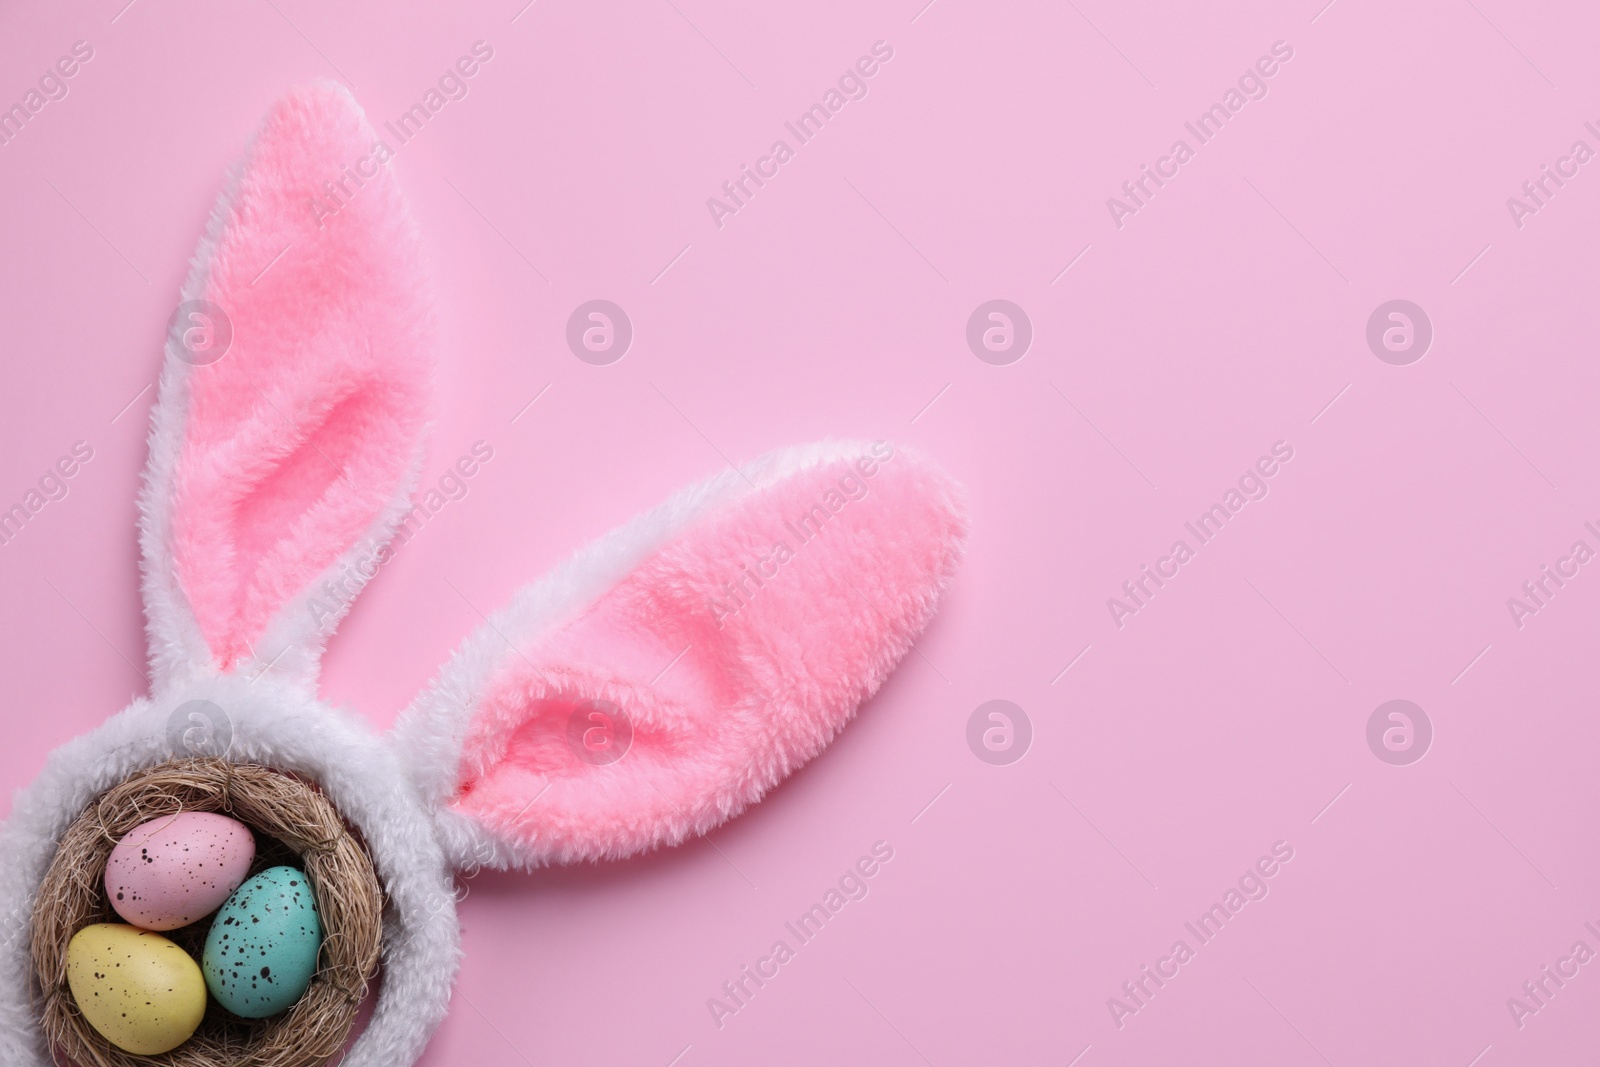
[(430, 734), (279, 726), (176, 644)]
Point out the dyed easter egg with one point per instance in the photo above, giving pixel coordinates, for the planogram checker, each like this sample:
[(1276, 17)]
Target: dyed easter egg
[(143, 993), (262, 948), (170, 871)]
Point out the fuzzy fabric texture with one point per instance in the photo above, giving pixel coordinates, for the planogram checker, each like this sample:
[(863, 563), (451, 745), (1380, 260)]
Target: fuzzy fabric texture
[(305, 432), (734, 632), (278, 725), (735, 628)]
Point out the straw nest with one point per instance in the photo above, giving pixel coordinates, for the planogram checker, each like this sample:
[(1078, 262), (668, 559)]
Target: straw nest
[(294, 824)]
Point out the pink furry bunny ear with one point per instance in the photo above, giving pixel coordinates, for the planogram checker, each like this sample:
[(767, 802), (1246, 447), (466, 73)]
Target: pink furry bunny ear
[(671, 673), (292, 403)]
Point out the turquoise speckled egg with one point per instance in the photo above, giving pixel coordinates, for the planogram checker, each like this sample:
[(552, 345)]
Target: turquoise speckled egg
[(262, 948)]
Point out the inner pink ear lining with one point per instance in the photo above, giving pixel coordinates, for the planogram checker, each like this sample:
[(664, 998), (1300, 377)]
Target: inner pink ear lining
[(297, 483), (529, 715), (301, 512)]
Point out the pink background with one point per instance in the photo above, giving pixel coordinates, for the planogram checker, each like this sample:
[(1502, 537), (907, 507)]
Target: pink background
[(1223, 317)]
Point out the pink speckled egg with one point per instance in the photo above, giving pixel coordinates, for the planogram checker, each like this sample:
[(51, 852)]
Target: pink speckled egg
[(170, 871)]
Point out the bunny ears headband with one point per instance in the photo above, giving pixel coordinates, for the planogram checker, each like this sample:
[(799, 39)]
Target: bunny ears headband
[(781, 594)]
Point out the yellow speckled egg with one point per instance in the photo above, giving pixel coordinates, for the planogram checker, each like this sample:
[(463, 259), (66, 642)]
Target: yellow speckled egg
[(143, 993)]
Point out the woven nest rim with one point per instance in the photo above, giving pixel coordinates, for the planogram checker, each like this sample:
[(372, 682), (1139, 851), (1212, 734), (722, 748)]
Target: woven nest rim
[(280, 806)]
